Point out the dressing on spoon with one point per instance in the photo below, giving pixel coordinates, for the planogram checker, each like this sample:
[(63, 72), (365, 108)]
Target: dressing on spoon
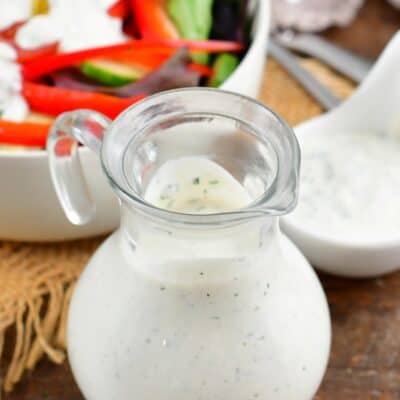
[(350, 185)]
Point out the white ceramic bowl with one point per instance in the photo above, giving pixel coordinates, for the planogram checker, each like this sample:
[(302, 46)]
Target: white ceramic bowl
[(29, 209), (374, 107)]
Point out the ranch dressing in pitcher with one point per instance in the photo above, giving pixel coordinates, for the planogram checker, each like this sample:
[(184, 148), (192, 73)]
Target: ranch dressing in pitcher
[(209, 301), (195, 185)]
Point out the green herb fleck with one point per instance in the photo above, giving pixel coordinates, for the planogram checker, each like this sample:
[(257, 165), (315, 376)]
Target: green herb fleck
[(196, 181), (205, 191), (45, 395), (213, 182)]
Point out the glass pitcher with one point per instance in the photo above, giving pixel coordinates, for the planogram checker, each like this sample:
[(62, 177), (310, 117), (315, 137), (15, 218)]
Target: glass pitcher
[(178, 306)]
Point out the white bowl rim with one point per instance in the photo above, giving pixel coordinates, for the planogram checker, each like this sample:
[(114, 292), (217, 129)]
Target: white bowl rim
[(374, 243), (41, 153)]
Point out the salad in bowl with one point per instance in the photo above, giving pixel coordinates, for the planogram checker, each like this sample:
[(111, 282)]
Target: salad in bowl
[(105, 55)]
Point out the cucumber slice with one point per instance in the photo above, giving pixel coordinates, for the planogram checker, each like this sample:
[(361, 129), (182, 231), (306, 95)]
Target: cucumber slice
[(111, 73), (224, 65)]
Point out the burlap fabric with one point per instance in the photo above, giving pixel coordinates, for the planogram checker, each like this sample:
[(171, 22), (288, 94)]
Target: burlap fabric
[(36, 281)]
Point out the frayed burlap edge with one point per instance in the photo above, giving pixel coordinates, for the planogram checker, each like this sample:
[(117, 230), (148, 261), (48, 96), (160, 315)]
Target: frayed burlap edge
[(36, 284)]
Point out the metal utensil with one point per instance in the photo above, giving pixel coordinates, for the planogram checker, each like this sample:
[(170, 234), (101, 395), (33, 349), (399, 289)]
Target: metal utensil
[(320, 92), (351, 65)]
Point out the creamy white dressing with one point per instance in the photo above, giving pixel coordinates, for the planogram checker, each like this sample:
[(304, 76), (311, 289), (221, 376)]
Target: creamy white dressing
[(13, 11), (75, 24), (13, 106), (7, 52), (195, 185), (350, 185), (205, 314), (215, 328)]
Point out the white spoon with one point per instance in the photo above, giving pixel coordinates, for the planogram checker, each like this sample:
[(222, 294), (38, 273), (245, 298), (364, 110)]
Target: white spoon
[(374, 107)]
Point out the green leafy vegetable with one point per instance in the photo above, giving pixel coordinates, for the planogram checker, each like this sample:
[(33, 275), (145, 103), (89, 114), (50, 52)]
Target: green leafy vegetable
[(224, 65), (193, 18)]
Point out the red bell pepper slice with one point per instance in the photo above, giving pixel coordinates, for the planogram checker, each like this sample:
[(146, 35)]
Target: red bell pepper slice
[(8, 35), (150, 58), (152, 20), (45, 65), (9, 32), (200, 68), (28, 134), (25, 56), (120, 9), (54, 101)]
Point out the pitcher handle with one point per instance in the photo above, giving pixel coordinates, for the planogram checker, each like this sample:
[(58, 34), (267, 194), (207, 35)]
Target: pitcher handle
[(69, 129)]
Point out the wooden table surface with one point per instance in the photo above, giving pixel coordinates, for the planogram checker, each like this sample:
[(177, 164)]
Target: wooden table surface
[(365, 357)]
